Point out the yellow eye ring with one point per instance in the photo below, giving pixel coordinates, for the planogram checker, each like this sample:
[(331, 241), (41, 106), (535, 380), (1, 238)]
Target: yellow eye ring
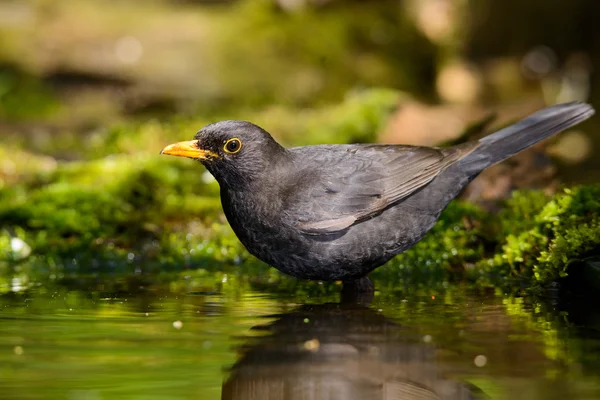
[(232, 146)]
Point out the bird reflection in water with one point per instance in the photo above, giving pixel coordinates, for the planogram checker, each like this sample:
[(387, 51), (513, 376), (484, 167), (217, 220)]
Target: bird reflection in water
[(339, 351)]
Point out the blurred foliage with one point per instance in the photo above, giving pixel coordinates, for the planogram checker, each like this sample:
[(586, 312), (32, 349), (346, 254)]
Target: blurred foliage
[(251, 52), (305, 55), (358, 118), (24, 96)]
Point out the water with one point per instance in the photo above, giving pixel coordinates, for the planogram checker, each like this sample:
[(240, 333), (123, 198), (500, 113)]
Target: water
[(170, 337)]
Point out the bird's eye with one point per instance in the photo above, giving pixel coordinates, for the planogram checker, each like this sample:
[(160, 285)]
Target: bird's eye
[(232, 146)]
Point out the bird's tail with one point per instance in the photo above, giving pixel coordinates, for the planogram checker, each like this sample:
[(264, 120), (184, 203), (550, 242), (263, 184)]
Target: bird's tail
[(506, 142)]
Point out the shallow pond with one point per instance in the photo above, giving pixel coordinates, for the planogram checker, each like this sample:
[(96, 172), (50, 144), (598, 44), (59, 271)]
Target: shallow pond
[(166, 337)]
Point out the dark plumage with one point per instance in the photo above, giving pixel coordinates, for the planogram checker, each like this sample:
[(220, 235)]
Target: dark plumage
[(336, 212)]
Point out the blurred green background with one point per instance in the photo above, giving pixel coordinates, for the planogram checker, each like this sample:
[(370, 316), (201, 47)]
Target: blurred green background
[(90, 92), (81, 67)]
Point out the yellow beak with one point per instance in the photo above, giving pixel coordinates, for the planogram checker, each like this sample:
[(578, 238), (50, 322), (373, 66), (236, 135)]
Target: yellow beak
[(190, 149)]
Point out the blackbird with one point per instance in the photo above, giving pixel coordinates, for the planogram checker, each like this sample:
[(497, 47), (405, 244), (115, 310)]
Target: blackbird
[(336, 212)]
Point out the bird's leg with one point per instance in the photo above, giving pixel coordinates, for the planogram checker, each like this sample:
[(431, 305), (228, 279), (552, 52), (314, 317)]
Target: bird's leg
[(359, 291)]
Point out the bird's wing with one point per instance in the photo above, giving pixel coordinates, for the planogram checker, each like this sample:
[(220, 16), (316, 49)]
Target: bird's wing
[(341, 185)]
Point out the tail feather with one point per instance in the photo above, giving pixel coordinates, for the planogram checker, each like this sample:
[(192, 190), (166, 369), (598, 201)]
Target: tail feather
[(506, 142), (492, 149)]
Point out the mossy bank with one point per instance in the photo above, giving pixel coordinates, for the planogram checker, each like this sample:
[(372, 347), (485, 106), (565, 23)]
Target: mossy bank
[(142, 212)]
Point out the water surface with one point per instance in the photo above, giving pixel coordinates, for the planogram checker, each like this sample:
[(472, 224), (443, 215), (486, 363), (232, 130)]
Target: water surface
[(169, 337)]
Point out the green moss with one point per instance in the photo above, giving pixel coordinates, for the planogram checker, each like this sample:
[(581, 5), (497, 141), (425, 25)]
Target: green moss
[(520, 211), (574, 221), (547, 237), (112, 207), (535, 239), (137, 208), (159, 211), (60, 211)]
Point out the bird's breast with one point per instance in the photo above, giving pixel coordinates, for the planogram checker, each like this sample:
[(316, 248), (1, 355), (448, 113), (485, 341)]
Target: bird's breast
[(254, 217)]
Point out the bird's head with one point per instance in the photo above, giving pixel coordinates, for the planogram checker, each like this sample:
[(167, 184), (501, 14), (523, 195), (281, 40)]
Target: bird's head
[(234, 152)]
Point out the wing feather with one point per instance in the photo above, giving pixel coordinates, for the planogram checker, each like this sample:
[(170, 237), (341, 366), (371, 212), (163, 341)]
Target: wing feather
[(342, 185)]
